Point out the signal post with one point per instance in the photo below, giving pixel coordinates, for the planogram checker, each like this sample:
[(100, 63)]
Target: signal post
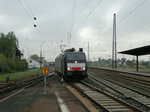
[(45, 72)]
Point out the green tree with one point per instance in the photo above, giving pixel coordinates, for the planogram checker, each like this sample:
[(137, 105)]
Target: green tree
[(35, 57), (8, 44), (145, 64), (131, 63), (4, 67), (10, 55)]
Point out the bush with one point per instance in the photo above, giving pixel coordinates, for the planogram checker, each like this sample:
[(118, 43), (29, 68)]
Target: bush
[(8, 65), (4, 66), (21, 65)]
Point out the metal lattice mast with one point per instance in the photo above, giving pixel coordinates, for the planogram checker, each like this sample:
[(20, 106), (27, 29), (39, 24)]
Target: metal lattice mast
[(114, 48), (40, 58)]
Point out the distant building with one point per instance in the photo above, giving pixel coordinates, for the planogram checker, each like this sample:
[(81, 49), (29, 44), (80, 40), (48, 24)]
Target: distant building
[(33, 64)]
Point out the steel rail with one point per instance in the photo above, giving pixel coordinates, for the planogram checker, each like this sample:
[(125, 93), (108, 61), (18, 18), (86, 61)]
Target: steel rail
[(109, 97), (139, 92), (125, 72), (134, 98), (145, 83), (23, 83)]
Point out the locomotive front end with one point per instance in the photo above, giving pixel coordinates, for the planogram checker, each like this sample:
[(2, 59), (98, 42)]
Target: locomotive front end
[(76, 65)]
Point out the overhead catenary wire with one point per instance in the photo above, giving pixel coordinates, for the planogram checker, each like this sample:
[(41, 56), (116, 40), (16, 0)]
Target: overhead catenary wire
[(128, 14), (118, 13), (73, 15), (29, 8), (88, 15), (81, 11), (123, 6), (137, 27), (30, 17), (41, 31), (74, 19), (34, 17), (69, 35), (26, 12)]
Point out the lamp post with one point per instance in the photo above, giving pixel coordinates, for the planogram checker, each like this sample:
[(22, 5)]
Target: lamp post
[(41, 54)]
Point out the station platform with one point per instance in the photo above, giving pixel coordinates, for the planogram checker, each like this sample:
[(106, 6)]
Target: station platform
[(34, 99), (143, 73), (140, 73)]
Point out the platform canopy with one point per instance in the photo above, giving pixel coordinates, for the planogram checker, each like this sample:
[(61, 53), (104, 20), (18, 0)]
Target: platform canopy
[(137, 51)]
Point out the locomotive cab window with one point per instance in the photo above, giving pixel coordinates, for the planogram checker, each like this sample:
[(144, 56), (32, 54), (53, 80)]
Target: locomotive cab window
[(75, 57)]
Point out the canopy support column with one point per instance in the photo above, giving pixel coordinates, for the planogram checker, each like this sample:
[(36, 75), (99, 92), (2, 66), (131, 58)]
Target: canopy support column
[(137, 63)]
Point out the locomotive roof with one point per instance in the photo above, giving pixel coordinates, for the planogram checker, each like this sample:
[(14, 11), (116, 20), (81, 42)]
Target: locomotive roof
[(63, 53), (72, 52)]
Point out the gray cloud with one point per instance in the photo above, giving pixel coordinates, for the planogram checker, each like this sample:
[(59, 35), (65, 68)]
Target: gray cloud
[(54, 18)]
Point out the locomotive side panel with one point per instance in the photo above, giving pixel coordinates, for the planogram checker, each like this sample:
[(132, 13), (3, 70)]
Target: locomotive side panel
[(58, 64), (63, 65)]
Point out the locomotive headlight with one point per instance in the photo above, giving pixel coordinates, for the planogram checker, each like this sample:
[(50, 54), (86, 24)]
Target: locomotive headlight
[(68, 68), (83, 68)]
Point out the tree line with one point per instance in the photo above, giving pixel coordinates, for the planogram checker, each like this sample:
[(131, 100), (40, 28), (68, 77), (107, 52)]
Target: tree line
[(10, 55), (128, 63)]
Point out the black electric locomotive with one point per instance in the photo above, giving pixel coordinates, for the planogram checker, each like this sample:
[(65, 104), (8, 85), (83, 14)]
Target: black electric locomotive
[(71, 65)]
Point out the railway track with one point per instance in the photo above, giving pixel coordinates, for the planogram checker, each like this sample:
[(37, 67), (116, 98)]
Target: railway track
[(129, 83), (25, 83), (137, 78), (137, 84), (105, 101), (140, 100)]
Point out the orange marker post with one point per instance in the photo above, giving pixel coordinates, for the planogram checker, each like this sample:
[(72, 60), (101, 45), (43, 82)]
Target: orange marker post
[(45, 72)]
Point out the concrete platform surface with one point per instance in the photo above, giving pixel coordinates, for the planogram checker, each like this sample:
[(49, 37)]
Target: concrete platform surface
[(33, 99)]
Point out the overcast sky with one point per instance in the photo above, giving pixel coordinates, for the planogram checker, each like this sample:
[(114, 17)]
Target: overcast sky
[(88, 20)]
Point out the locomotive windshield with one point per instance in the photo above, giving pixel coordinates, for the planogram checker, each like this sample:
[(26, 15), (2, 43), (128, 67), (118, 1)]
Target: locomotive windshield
[(75, 57)]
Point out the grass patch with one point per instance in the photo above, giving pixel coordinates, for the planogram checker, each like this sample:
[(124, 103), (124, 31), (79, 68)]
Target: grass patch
[(59, 85), (19, 76)]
